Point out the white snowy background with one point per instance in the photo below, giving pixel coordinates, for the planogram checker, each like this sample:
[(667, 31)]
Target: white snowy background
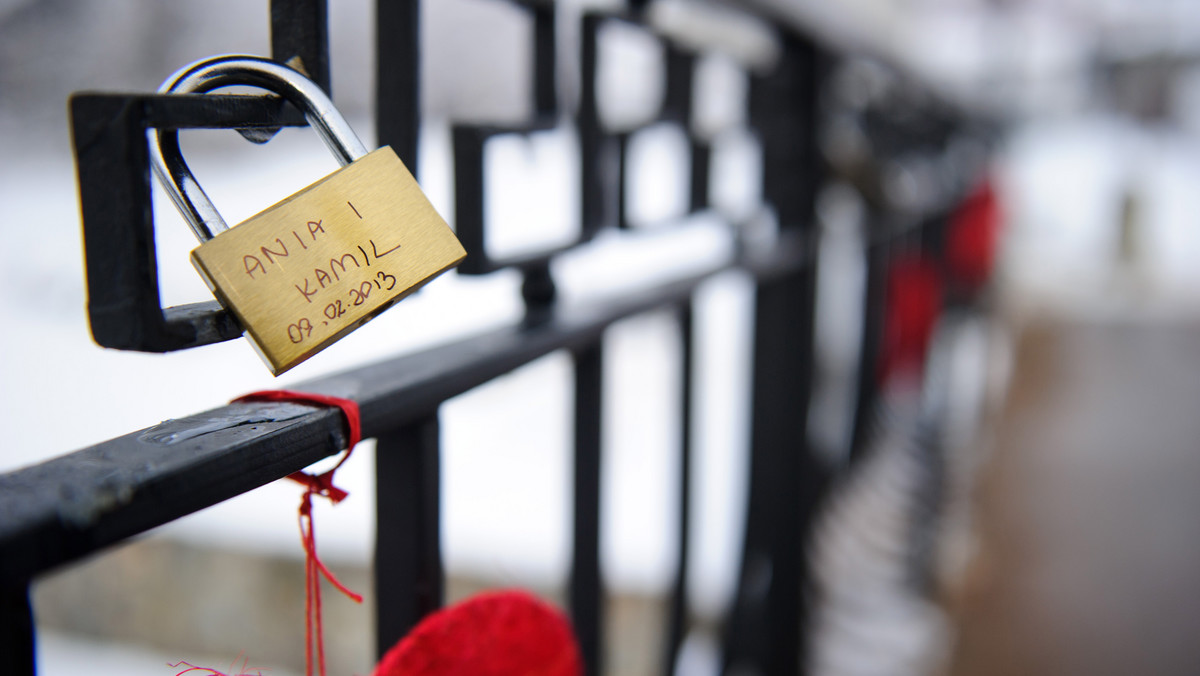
[(1063, 173)]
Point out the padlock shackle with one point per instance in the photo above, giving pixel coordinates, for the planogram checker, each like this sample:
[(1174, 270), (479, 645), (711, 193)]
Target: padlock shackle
[(232, 70)]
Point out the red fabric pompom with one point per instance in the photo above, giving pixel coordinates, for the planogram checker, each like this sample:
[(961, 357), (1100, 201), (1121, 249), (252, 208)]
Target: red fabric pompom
[(506, 633), (973, 238), (914, 303)]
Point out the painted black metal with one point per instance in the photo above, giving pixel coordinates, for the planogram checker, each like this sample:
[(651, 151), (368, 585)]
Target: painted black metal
[(62, 510), (66, 508), (109, 134), (409, 583), (873, 309), (783, 107), (545, 65), (469, 141), (586, 598), (785, 481), (681, 76), (622, 147), (17, 644), (677, 617), (300, 38), (606, 151), (398, 77), (785, 484), (124, 308), (539, 292), (701, 169), (468, 197), (470, 190), (598, 151)]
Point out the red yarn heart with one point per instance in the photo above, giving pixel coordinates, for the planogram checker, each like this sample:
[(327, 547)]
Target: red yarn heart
[(914, 303), (496, 634), (973, 238)]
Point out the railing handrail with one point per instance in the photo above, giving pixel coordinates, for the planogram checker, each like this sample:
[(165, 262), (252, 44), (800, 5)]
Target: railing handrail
[(63, 509)]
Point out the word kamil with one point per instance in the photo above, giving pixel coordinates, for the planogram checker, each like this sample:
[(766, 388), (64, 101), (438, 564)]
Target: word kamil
[(321, 276)]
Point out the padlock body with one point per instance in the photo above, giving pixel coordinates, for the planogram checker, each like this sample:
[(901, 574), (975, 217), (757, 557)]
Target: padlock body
[(310, 269)]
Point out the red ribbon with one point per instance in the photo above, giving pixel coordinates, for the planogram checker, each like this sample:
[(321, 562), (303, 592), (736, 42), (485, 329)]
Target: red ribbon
[(316, 484)]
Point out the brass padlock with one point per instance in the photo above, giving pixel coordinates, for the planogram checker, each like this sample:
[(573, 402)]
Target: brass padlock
[(310, 269)]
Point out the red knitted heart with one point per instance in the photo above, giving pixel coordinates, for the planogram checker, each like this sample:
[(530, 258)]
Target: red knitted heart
[(505, 633), (914, 303), (972, 240)]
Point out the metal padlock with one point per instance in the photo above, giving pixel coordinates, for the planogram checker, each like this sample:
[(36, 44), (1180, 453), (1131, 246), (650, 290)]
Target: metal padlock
[(312, 268)]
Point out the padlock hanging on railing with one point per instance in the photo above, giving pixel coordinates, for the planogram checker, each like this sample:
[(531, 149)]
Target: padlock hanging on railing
[(306, 271)]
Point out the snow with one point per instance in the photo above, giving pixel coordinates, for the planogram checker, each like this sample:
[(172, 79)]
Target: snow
[(507, 465), (64, 655), (506, 445)]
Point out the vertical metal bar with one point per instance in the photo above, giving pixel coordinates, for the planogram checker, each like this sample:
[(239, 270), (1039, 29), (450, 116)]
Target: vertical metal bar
[(597, 151), (16, 632), (300, 29), (874, 301), (586, 598), (767, 629), (398, 77), (468, 142), (932, 233), (409, 582), (124, 307), (783, 106), (622, 143), (768, 625), (681, 70), (701, 166), (545, 64), (678, 620)]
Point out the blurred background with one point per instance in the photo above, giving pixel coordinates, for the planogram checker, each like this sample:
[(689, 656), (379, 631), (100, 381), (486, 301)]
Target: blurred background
[(1066, 540)]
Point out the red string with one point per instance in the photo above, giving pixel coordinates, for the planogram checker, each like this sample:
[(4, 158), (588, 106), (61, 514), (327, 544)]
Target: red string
[(189, 667), (319, 484)]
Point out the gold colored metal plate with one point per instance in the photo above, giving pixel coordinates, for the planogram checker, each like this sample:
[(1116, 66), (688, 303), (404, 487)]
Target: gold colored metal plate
[(314, 267)]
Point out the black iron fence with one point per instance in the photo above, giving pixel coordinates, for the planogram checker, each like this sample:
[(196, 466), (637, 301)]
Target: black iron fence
[(67, 508)]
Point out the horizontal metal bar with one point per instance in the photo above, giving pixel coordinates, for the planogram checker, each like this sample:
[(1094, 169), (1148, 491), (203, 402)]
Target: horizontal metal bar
[(66, 508), (205, 111)]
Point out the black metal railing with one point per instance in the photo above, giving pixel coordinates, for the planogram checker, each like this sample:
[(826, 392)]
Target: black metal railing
[(67, 508)]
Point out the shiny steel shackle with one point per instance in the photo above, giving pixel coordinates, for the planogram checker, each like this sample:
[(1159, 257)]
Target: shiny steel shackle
[(232, 70)]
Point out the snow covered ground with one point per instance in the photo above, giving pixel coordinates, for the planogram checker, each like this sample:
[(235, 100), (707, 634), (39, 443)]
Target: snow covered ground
[(64, 655)]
